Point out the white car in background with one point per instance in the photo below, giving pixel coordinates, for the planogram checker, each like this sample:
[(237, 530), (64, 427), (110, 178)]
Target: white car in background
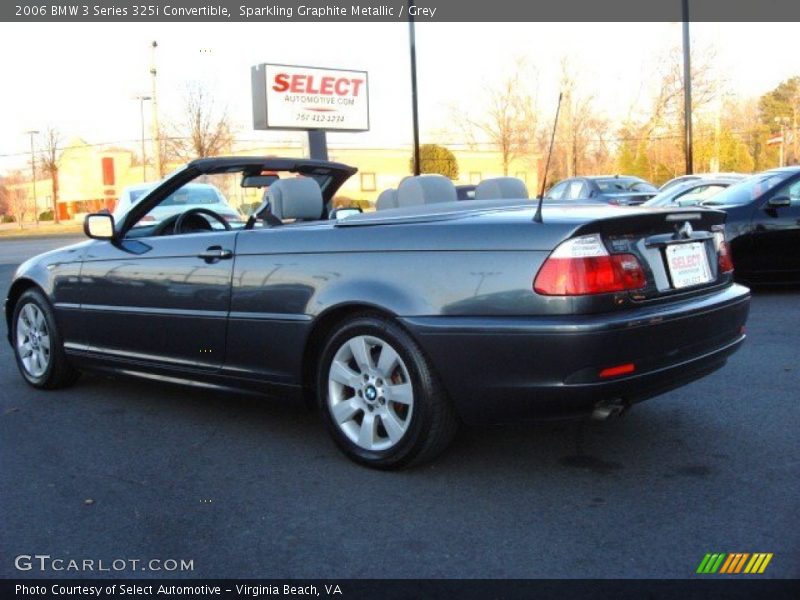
[(193, 194)]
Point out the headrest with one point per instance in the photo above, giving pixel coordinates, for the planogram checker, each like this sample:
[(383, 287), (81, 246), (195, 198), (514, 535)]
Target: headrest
[(296, 198), (501, 188), (387, 199), (425, 189)]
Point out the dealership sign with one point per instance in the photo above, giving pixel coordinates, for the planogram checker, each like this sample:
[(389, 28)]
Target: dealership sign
[(290, 97)]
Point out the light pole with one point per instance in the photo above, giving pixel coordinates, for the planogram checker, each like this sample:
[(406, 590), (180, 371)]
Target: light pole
[(783, 122), (142, 98), (687, 90), (157, 158), (33, 132), (412, 42)]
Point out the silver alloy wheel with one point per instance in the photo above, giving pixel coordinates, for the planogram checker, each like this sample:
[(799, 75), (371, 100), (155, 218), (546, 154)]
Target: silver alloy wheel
[(370, 395), (33, 340)]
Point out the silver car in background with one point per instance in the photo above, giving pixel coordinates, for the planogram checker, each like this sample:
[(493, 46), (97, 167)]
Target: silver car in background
[(681, 179), (191, 195), (691, 192)]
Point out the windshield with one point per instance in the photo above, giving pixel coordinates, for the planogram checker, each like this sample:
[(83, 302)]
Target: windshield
[(183, 196), (748, 190)]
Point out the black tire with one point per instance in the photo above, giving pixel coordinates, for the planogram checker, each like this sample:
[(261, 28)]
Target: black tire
[(58, 373), (432, 422)]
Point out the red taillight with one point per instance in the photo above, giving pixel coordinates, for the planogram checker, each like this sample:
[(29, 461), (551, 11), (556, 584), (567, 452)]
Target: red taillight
[(583, 266), (724, 257), (625, 369)]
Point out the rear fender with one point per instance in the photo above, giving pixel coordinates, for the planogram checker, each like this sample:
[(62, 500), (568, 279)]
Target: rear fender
[(381, 295)]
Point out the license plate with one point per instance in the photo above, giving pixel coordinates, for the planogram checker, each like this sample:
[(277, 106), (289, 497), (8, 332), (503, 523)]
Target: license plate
[(688, 264)]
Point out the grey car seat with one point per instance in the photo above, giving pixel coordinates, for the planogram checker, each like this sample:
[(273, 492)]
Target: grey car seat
[(499, 188), (425, 189), (299, 199), (387, 199)]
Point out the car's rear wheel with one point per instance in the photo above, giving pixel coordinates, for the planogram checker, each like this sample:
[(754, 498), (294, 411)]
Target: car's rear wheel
[(380, 397), (38, 346)]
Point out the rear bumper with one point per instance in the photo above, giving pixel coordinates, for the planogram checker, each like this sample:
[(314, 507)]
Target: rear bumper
[(507, 368)]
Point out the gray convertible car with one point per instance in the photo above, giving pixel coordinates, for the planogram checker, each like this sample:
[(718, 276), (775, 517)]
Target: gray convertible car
[(398, 324)]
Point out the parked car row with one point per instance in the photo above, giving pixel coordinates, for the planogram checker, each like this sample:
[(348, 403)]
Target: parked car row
[(627, 190), (763, 212)]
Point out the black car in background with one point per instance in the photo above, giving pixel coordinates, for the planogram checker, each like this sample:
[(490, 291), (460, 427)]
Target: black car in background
[(623, 190), (763, 225)]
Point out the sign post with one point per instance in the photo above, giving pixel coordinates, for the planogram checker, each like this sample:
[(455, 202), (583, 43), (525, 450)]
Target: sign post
[(312, 99), (317, 144), (412, 44)]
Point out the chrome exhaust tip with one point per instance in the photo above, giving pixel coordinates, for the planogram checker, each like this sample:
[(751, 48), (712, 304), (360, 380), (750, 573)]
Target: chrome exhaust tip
[(606, 409)]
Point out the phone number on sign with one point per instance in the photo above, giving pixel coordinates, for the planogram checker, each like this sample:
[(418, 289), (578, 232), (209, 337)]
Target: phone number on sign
[(308, 118)]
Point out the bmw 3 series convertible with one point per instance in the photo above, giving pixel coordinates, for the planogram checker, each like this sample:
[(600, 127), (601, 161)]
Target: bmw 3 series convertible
[(398, 324)]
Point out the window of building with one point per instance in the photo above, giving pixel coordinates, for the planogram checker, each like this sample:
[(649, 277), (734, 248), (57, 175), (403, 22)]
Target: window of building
[(108, 170), (368, 182)]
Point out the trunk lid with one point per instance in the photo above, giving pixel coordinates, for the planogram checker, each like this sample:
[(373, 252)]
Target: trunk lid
[(677, 249)]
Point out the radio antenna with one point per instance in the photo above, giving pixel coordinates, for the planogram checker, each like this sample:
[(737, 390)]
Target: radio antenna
[(538, 216)]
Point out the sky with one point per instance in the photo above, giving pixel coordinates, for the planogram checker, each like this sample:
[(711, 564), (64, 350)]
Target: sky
[(82, 77)]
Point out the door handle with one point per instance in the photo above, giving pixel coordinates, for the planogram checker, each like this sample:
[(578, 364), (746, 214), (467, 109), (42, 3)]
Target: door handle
[(215, 253)]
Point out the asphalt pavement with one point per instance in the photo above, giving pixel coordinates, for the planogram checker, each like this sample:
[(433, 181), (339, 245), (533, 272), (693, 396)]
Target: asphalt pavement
[(248, 487)]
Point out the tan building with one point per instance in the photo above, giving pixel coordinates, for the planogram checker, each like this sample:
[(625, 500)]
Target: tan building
[(379, 169), (91, 178)]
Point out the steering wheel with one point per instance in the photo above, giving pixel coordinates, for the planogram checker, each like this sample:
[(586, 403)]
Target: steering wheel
[(178, 228)]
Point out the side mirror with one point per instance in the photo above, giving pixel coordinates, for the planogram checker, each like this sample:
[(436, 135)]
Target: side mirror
[(99, 226), (344, 212), (779, 202)]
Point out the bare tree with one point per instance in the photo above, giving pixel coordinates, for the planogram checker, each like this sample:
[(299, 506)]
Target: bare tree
[(668, 106), (50, 159), (508, 120), (204, 129), (650, 143), (4, 209), (582, 130), (16, 196)]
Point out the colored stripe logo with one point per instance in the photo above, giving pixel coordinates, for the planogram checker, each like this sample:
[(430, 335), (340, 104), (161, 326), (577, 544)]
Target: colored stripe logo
[(733, 563)]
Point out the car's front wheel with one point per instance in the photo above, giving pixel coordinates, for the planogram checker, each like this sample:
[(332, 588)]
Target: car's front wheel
[(37, 342), (380, 397)]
